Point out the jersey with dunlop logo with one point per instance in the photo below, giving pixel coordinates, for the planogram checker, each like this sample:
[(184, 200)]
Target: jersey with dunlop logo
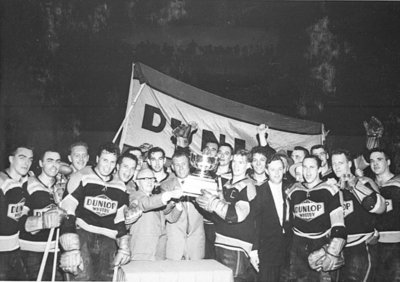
[(12, 202), (357, 219), (100, 204), (40, 200), (311, 208), (389, 220), (240, 234)]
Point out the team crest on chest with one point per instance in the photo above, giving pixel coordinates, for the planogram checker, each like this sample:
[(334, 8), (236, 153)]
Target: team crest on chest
[(40, 212), (309, 210), (389, 205), (348, 207), (101, 205), (15, 210)]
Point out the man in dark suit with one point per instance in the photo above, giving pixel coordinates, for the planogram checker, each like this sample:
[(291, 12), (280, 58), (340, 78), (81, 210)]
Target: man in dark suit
[(273, 234)]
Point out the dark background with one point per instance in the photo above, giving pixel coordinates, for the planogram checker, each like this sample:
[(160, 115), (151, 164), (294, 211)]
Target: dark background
[(66, 65)]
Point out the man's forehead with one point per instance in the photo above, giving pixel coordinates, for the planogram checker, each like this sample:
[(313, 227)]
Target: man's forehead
[(51, 155), (24, 152), (259, 156), (128, 161), (224, 149), (310, 162), (107, 155), (298, 152), (318, 151), (377, 155), (78, 149), (156, 155), (212, 145)]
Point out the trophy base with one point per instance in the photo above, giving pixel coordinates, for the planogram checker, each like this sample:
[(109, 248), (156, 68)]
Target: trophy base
[(193, 186)]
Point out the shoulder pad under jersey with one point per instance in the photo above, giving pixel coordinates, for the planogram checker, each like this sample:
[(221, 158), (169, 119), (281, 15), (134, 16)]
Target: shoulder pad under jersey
[(34, 185), (333, 189), (3, 177), (394, 181)]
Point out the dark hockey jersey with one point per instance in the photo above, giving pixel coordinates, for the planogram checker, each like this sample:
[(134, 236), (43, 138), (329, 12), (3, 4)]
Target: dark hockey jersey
[(98, 205), (315, 211), (388, 223), (12, 203), (234, 233), (40, 200)]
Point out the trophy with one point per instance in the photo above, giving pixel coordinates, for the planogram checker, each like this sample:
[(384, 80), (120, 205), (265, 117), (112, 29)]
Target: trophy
[(201, 177)]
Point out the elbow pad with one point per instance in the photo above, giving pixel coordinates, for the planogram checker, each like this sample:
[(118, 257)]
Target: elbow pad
[(369, 202)]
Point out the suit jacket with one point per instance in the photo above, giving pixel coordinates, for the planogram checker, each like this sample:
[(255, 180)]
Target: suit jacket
[(148, 232), (185, 233), (272, 243)]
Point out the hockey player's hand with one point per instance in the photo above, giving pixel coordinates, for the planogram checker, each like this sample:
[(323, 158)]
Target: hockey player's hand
[(132, 214), (205, 199), (263, 129), (316, 258), (123, 255), (71, 261), (53, 218)]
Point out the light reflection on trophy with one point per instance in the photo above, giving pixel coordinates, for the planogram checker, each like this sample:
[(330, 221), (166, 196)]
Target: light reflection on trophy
[(201, 177)]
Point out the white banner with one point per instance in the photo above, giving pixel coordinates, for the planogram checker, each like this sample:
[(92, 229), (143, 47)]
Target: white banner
[(155, 114)]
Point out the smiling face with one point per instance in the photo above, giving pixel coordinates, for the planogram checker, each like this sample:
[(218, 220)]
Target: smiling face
[(146, 180), (311, 171), (340, 165), (106, 163), (224, 155), (126, 169), (259, 163), (211, 149), (50, 163), (239, 165), (157, 161), (379, 163), (79, 157), (275, 171), (181, 166), (21, 161)]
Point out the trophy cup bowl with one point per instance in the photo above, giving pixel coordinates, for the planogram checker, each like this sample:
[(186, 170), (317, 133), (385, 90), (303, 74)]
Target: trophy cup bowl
[(203, 164), (201, 178)]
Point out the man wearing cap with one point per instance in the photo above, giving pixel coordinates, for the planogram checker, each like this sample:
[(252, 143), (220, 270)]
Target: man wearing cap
[(148, 232)]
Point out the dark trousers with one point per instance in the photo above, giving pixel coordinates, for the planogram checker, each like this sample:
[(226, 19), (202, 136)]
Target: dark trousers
[(12, 266), (299, 268), (360, 263), (388, 258), (209, 230), (238, 262), (32, 262), (98, 252)]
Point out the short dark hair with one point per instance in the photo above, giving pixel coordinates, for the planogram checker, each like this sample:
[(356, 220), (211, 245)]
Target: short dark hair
[(301, 148), (345, 152), (15, 148), (275, 158), (379, 150), (78, 143), (180, 153), (109, 147), (226, 145), (51, 149), (258, 150), (155, 150), (127, 155), (314, 158), (244, 153), (318, 146)]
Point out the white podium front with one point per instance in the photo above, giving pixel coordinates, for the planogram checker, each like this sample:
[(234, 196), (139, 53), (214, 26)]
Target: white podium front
[(177, 271)]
